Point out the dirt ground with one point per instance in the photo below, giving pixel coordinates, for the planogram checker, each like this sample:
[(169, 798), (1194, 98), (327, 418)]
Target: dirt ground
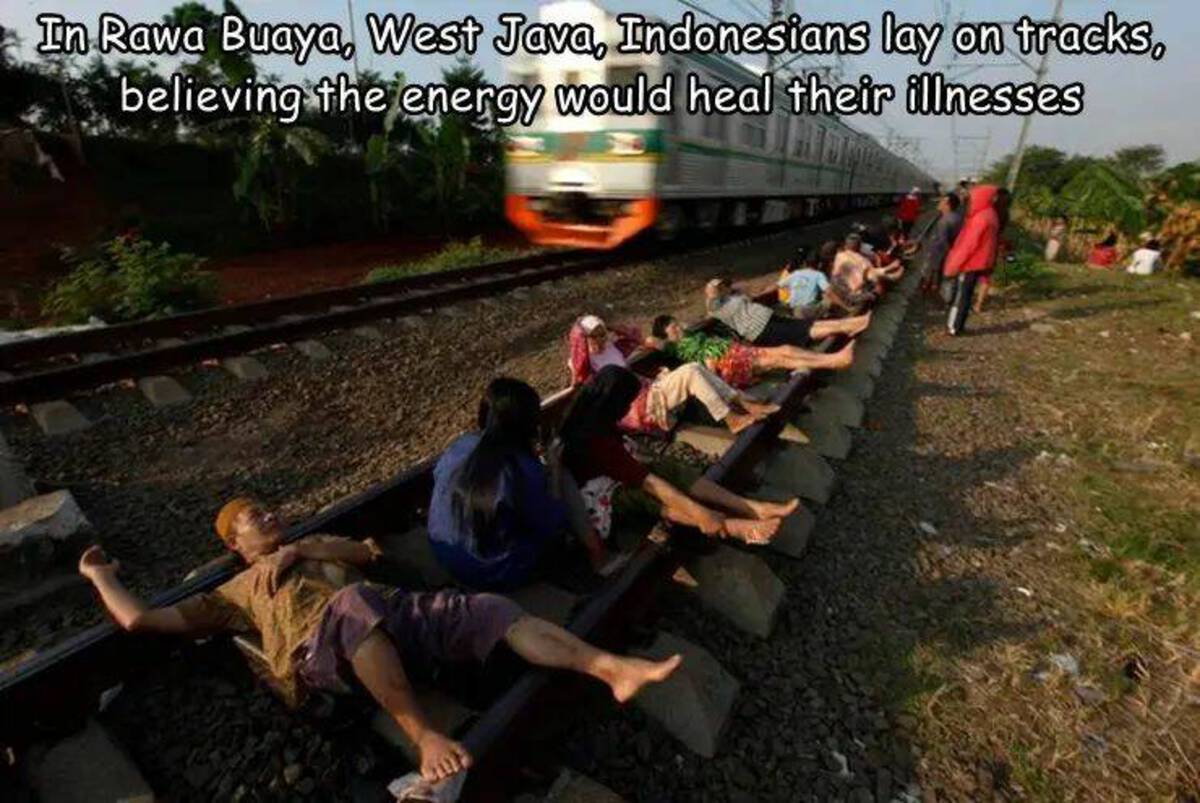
[(1001, 601)]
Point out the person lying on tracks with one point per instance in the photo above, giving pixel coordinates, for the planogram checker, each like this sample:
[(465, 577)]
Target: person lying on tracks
[(319, 636), (595, 454), (593, 347), (802, 285), (758, 324), (495, 517), (735, 362)]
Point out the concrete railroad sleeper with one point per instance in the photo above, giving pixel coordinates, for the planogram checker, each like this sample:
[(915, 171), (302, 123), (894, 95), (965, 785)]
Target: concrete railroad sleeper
[(57, 690)]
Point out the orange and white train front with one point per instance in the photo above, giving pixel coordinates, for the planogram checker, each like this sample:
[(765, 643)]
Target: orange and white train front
[(590, 180)]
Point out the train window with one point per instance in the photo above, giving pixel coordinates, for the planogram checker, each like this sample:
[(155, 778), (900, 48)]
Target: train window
[(754, 132), (781, 134), (526, 79), (714, 127), (622, 76), (818, 148), (800, 149)]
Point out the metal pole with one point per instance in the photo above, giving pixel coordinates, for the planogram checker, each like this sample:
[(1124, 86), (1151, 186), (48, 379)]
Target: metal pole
[(1014, 170), (776, 15), (357, 78)]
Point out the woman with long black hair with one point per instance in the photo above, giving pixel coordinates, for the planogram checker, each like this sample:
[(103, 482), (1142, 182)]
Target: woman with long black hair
[(493, 517), (594, 452)]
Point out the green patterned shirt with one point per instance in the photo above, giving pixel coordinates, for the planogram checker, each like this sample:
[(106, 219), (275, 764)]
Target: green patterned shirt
[(698, 347)]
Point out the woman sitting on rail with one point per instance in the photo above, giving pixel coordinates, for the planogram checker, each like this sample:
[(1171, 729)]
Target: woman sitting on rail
[(595, 454), (494, 519), (593, 348), (735, 362), (317, 635), (758, 324)]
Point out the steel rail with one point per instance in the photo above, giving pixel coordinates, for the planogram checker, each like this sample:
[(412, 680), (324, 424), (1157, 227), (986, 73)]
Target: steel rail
[(100, 339)]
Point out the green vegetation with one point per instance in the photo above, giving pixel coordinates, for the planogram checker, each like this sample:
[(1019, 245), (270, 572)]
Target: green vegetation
[(455, 255), (328, 177), (129, 278)]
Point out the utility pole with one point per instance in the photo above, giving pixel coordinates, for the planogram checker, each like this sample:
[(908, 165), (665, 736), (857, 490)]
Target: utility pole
[(353, 41), (1014, 170), (776, 16)]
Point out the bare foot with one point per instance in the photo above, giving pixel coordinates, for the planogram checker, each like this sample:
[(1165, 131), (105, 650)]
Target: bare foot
[(752, 531), (756, 408), (841, 359), (739, 421), (773, 510), (441, 757), (629, 675), (856, 326)]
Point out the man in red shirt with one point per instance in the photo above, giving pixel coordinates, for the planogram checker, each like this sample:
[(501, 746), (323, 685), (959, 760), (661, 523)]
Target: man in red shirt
[(973, 254), (909, 210)]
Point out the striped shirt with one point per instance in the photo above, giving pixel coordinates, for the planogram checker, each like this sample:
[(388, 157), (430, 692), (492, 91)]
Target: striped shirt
[(747, 318)]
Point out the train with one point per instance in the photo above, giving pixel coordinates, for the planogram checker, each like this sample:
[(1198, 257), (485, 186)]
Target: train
[(596, 181)]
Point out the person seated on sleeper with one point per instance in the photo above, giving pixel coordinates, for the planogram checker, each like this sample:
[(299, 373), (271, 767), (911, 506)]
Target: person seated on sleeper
[(855, 279), (319, 636), (735, 362), (802, 286), (759, 325), (593, 346), (495, 517), (595, 453)]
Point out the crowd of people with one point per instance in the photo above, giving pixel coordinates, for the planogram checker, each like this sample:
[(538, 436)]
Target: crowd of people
[(507, 505)]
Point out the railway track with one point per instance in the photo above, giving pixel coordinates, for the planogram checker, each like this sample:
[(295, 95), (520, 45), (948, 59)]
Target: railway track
[(48, 368), (57, 690)]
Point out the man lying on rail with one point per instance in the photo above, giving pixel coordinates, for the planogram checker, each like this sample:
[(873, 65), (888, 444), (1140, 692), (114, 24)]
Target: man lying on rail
[(735, 362), (594, 452), (758, 324), (317, 635), (594, 347), (496, 516)]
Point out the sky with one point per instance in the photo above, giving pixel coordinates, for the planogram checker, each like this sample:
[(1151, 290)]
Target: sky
[(1130, 100)]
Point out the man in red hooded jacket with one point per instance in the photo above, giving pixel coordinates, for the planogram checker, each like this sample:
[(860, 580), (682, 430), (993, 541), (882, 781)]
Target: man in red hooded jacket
[(974, 252)]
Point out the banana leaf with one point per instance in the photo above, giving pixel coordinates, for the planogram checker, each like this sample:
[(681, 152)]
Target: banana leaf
[(1102, 195)]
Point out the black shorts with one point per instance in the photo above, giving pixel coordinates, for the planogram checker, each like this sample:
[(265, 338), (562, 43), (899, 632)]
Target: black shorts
[(785, 332)]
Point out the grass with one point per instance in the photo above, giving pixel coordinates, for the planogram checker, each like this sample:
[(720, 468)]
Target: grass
[(453, 256), (1110, 392)]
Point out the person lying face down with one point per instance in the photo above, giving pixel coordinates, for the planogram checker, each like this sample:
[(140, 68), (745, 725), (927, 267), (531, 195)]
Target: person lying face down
[(735, 362), (495, 517), (757, 324), (317, 635), (595, 454), (594, 347)]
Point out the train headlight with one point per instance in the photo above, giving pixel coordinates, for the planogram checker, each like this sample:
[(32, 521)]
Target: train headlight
[(519, 146), (626, 144)]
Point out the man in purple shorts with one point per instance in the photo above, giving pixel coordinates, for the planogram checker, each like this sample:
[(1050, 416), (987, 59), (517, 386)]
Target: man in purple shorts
[(319, 634)]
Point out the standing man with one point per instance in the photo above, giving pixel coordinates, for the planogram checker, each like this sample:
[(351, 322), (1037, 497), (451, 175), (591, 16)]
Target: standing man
[(909, 210), (973, 253), (945, 231)]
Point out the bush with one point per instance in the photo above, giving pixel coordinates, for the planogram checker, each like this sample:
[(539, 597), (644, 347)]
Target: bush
[(455, 255), (126, 279)]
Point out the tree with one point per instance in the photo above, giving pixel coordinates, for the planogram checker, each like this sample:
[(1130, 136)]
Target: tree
[(382, 160), (1140, 161), (269, 164), (215, 64), (1105, 196)]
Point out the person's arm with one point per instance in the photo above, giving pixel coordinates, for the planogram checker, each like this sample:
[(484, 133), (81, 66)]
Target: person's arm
[(681, 508), (337, 550), (129, 610)]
